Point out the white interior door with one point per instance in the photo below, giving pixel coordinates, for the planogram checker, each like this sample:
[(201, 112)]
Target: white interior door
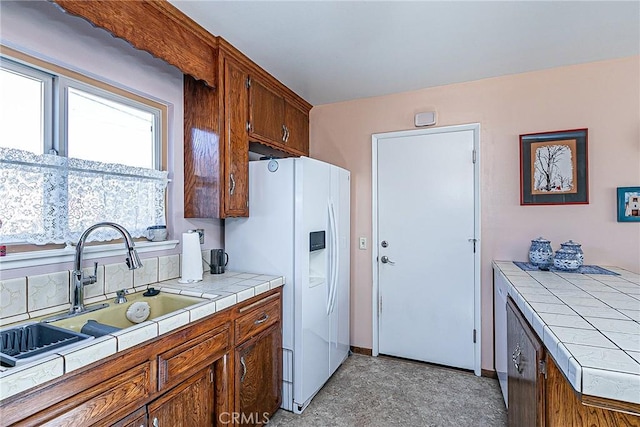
[(426, 226)]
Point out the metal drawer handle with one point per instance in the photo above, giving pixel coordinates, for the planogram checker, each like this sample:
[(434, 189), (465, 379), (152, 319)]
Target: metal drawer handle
[(233, 185), (516, 358), (155, 422), (263, 319), (244, 369)]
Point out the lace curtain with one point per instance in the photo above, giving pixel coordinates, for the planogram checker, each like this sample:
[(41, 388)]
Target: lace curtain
[(52, 199)]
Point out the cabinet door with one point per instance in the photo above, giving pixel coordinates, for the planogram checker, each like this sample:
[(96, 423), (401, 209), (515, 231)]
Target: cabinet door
[(266, 113), (202, 157), (297, 123), (189, 404), (525, 382), (236, 191), (259, 377)]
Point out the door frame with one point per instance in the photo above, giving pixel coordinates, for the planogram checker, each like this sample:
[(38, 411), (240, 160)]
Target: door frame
[(475, 127)]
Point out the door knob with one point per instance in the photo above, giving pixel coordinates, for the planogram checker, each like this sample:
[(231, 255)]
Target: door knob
[(385, 260)]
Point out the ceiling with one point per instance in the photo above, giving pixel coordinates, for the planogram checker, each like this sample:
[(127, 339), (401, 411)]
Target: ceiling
[(331, 51)]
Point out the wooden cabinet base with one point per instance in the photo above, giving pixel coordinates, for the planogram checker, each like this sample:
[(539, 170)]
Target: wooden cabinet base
[(549, 400), (526, 383), (187, 405), (564, 408), (184, 378)]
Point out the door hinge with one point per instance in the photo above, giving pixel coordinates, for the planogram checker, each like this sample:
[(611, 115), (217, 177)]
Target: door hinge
[(474, 244), (473, 156), (211, 379), (380, 306), (474, 336), (248, 126), (542, 367), (248, 83)]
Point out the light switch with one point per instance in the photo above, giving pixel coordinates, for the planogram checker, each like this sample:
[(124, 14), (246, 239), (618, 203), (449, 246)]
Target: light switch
[(363, 243)]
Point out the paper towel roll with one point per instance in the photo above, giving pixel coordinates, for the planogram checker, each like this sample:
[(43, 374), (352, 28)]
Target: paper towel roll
[(191, 258)]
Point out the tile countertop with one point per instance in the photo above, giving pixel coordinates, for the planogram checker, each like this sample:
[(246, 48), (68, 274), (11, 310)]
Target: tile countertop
[(221, 291), (590, 323)]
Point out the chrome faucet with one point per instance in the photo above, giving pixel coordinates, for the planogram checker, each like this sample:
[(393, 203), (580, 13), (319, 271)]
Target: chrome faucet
[(79, 279)]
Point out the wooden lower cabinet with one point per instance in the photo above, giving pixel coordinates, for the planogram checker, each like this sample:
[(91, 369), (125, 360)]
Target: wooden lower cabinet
[(188, 405), (524, 376), (540, 395), (185, 378), (258, 377), (258, 361), (564, 408)]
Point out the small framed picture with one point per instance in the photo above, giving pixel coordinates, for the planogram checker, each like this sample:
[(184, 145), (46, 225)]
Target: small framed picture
[(628, 204), (553, 168)]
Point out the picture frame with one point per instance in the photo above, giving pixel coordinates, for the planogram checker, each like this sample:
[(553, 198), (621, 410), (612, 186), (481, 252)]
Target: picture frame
[(554, 168), (628, 204)]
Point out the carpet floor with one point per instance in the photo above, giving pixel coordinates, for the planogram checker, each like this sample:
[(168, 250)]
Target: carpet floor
[(384, 391)]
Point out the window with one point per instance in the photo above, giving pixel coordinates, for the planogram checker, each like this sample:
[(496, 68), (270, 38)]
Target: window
[(106, 130), (73, 153), (25, 107)]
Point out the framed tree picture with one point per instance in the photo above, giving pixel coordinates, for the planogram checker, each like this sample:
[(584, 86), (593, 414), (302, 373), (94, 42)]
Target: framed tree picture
[(553, 168)]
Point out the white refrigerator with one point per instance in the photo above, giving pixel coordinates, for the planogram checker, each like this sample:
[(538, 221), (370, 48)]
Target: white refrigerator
[(299, 227)]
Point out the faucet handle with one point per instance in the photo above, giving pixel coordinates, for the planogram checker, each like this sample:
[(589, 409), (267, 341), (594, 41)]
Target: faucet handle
[(120, 296), (93, 278)]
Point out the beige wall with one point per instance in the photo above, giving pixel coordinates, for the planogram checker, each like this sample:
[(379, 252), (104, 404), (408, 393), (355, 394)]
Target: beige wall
[(603, 97)]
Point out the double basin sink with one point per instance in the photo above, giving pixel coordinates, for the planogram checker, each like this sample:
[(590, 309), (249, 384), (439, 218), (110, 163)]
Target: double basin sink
[(27, 342)]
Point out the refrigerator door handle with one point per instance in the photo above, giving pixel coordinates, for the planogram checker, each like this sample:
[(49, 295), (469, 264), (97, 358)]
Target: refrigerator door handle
[(331, 249), (333, 259), (336, 255)]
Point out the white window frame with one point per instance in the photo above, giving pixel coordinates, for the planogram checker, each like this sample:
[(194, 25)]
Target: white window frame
[(64, 83), (48, 80), (56, 82)]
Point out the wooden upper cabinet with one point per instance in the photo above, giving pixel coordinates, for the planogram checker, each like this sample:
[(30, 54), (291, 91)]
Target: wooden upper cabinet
[(218, 102), (266, 113), (276, 121), (297, 125), (236, 177), (202, 150)]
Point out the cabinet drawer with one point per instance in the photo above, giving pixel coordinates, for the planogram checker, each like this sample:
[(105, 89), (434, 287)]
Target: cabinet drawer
[(179, 363), (257, 318), (127, 389)]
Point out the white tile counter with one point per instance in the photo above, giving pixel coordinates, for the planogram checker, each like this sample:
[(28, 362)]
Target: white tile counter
[(221, 291), (589, 323)]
